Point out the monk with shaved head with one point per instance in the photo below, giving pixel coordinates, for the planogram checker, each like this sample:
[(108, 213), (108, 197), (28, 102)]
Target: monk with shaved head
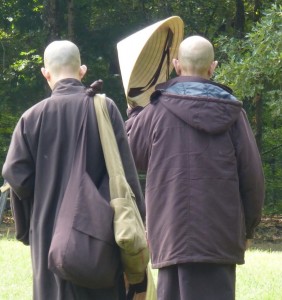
[(195, 58), (39, 169), (62, 60), (204, 183)]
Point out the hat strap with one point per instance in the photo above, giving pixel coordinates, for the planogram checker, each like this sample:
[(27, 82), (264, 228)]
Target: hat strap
[(134, 92)]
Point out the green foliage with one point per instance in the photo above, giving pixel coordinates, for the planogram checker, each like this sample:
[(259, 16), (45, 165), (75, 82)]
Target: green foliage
[(253, 66), (255, 63), (7, 122), (20, 79)]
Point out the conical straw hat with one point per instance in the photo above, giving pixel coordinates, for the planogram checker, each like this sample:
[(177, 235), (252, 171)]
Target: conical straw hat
[(145, 58)]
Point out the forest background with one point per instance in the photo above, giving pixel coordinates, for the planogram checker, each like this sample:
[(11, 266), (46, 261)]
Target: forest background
[(247, 36)]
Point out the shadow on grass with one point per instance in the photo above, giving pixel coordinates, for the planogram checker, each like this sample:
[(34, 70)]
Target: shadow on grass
[(266, 246)]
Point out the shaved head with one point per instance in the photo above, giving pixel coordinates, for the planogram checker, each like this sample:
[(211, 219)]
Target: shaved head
[(62, 60), (62, 56), (195, 56)]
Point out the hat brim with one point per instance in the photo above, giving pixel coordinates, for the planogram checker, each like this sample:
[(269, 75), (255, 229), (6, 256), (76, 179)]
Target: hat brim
[(145, 58)]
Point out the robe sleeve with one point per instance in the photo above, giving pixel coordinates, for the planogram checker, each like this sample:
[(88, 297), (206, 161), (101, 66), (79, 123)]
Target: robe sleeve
[(139, 132), (18, 171)]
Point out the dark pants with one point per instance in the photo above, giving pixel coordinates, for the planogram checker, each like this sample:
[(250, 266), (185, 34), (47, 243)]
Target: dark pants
[(197, 281)]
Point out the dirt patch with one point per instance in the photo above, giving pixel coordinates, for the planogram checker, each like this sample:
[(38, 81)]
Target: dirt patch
[(268, 235), (7, 227)]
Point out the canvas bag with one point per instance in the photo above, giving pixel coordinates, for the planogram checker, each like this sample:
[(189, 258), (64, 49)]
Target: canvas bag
[(83, 248), (129, 230)]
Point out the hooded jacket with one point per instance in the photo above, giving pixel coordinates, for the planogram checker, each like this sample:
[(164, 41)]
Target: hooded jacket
[(205, 184)]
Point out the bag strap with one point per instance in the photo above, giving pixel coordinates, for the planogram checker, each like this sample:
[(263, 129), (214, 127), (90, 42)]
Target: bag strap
[(5, 187), (107, 136)]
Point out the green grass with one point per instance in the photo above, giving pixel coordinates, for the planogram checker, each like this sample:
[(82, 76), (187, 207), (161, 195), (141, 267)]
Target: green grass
[(261, 276), (259, 279), (15, 271)]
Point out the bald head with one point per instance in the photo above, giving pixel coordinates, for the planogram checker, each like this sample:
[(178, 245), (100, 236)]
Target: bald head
[(196, 57), (62, 60)]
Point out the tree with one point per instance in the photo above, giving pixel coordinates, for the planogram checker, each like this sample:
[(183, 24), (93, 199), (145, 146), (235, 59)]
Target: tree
[(239, 21), (26, 27), (254, 71)]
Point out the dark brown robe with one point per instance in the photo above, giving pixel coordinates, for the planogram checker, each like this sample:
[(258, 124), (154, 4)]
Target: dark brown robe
[(37, 167)]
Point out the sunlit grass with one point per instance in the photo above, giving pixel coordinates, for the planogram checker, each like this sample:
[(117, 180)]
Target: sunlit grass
[(259, 279), (15, 271), (261, 276)]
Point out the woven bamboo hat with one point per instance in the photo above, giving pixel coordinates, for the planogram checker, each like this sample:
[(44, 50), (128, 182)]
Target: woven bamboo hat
[(145, 58)]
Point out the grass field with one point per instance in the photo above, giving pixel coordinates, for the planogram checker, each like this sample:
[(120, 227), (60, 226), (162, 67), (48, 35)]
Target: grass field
[(259, 279), (15, 271)]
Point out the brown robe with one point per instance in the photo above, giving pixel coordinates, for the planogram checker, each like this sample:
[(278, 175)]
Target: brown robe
[(37, 167)]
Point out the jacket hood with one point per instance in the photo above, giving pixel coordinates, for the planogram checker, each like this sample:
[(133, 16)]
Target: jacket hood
[(213, 111)]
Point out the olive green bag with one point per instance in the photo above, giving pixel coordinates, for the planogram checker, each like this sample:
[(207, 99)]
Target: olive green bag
[(129, 229)]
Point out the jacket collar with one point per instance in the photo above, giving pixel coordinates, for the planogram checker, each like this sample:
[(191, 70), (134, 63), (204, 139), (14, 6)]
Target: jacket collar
[(171, 82)]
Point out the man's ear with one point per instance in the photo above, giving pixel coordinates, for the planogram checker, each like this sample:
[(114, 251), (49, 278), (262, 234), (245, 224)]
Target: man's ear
[(82, 71), (176, 65), (45, 73), (212, 68)]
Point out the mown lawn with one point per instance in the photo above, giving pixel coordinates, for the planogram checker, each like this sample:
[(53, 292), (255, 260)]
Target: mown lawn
[(15, 271), (259, 279)]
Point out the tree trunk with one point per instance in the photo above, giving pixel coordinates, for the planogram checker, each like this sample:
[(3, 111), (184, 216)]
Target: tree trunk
[(71, 20), (257, 9), (239, 22), (50, 19), (258, 120)]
